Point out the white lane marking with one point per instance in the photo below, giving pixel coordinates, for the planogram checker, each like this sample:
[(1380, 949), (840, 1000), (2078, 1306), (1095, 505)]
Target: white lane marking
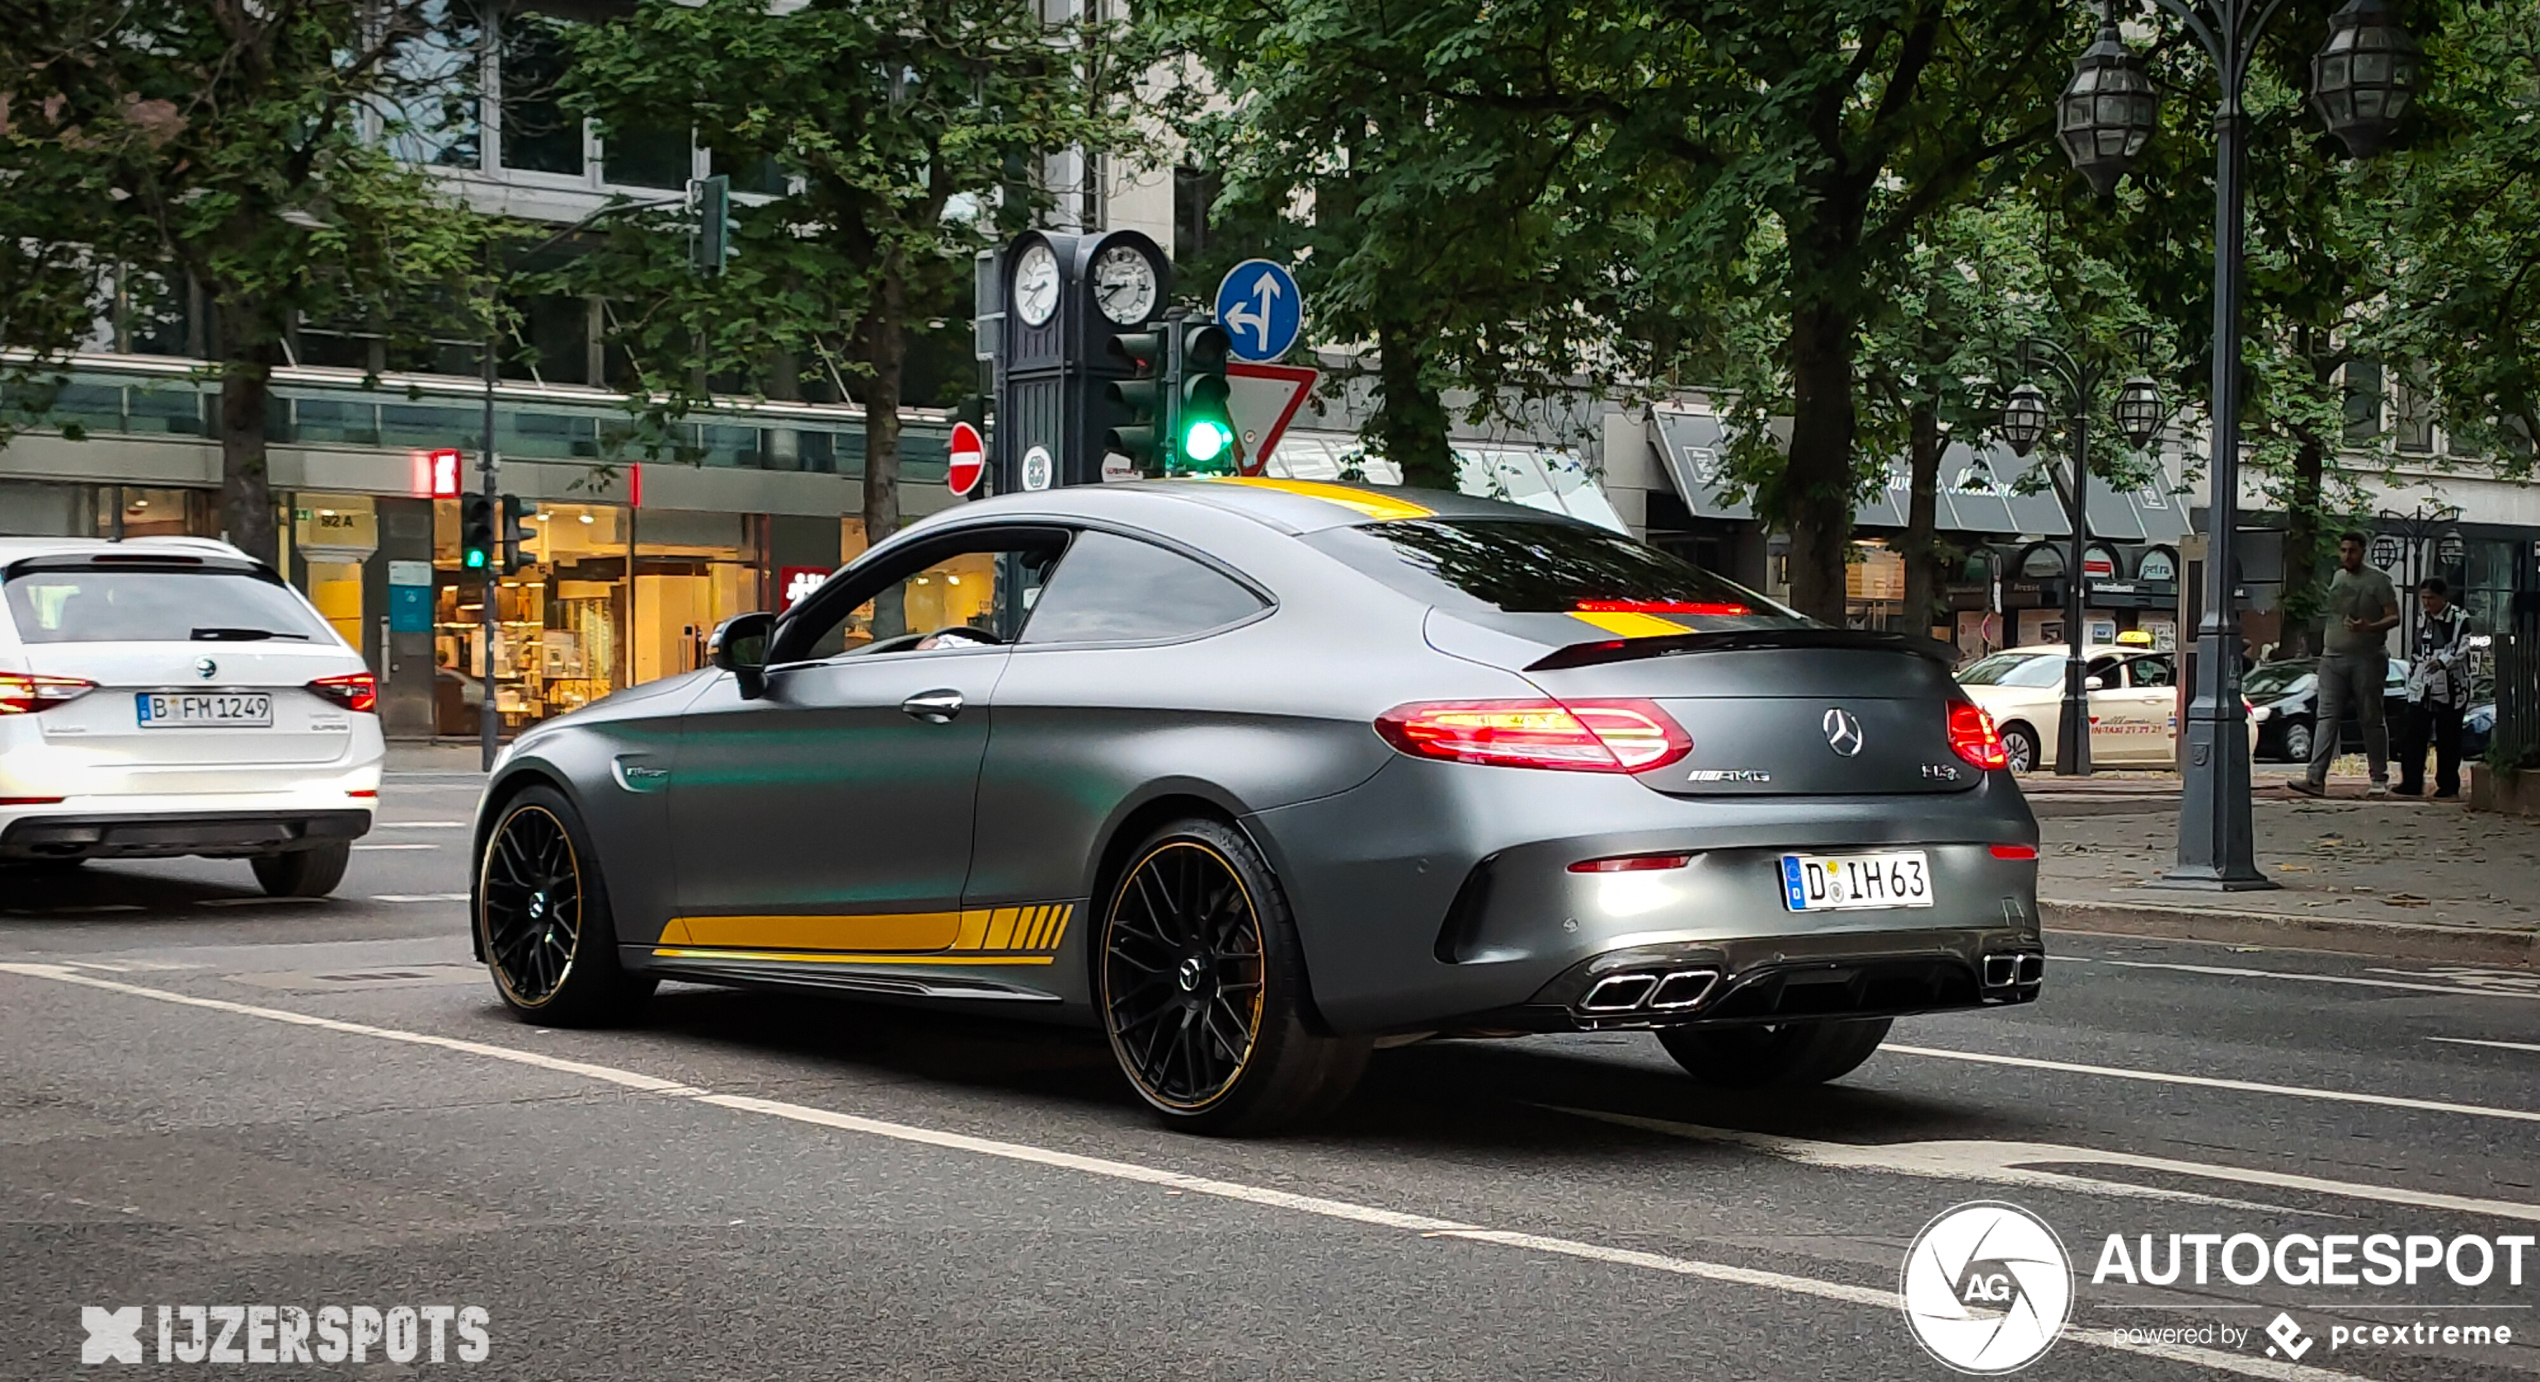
[(411, 846), (627, 1078), (1425, 1226), (2500, 1045), (2227, 971), (2341, 1096), (2008, 1163), (418, 897), (2517, 980), (418, 825)]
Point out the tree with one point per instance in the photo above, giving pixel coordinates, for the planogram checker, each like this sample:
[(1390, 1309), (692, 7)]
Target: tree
[(242, 145), (1454, 237), (885, 141)]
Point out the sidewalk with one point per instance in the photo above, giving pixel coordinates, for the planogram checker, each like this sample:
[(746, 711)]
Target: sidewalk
[(2411, 879)]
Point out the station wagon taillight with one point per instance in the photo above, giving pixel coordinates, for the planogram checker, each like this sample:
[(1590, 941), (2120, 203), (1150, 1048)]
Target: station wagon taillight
[(1972, 735), (1588, 736), (353, 691), (24, 693)]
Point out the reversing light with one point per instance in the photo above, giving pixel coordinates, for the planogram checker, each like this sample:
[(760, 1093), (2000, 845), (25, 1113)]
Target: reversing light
[(353, 691), (25, 693), (1973, 737), (1632, 863), (2014, 851), (1719, 608), (1600, 736)]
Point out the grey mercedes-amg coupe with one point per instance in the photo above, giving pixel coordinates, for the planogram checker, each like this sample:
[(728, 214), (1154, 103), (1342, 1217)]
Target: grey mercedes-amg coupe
[(1256, 774)]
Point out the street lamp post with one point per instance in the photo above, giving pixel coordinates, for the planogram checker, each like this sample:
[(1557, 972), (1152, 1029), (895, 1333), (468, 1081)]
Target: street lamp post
[(2362, 81)]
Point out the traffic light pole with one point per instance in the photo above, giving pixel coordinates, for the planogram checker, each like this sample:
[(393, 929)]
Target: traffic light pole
[(487, 462)]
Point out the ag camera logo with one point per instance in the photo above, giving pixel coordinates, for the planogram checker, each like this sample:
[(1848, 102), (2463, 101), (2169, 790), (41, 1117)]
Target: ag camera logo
[(1987, 1288)]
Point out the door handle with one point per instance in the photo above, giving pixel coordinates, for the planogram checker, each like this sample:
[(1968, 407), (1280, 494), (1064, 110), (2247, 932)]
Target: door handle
[(934, 707)]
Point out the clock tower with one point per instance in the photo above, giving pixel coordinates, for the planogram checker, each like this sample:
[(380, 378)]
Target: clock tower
[(1065, 298)]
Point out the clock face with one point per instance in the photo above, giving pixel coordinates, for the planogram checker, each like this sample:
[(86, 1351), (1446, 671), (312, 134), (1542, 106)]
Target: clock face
[(1124, 285), (1036, 286)]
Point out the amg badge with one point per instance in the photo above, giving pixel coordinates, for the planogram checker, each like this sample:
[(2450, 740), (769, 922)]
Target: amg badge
[(1728, 775)]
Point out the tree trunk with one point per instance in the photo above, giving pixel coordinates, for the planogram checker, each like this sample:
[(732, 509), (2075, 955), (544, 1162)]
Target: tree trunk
[(246, 360), (1410, 423), (1922, 518), (887, 352), (1817, 480), (2299, 606)]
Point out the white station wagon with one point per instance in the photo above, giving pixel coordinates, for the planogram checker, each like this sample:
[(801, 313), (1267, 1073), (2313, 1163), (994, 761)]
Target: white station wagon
[(172, 696)]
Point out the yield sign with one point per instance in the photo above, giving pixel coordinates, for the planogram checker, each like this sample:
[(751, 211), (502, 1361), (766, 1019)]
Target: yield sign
[(1260, 400), (969, 458)]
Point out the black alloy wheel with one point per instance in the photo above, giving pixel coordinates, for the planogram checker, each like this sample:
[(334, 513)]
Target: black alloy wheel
[(1782, 1055), (1182, 975), (1201, 986), (542, 919)]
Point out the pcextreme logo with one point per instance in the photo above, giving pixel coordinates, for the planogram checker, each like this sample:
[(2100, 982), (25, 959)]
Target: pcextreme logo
[(1987, 1287)]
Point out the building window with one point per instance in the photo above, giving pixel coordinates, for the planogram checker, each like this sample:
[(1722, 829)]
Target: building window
[(1195, 191), (2413, 414), (2363, 401), (639, 157), (539, 135), (435, 83)]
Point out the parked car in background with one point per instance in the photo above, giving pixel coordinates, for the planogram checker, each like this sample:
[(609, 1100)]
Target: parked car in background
[(2133, 703), (172, 696), (2284, 697)]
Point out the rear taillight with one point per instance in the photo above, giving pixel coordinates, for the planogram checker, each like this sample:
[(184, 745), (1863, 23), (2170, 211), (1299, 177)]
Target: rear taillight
[(1632, 863), (1606, 736), (2014, 851), (353, 691), (1973, 737), (24, 693)]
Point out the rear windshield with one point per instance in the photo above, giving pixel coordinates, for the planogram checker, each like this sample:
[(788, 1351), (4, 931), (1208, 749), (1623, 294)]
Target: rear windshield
[(2015, 669), (1517, 566), (93, 606)]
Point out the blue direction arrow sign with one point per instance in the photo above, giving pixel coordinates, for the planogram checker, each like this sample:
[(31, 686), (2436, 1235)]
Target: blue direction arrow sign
[(1259, 306)]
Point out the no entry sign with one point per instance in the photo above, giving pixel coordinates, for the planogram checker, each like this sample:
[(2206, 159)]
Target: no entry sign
[(969, 459)]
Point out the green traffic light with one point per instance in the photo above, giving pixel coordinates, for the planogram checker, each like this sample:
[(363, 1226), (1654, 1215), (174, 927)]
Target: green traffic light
[(1206, 440), (475, 559)]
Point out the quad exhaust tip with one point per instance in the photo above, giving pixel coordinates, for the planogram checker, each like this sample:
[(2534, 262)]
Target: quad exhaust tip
[(1671, 991), (2003, 971)]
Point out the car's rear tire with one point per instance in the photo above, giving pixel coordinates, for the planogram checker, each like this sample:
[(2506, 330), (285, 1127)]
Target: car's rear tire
[(302, 872), (1783, 1056), (1202, 988), (2019, 747), (542, 917)]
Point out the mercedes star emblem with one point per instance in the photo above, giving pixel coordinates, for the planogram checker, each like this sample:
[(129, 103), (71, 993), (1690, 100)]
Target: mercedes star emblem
[(205, 668), (1843, 731)]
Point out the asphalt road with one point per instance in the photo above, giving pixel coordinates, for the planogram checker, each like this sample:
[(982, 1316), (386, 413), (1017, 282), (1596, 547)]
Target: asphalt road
[(209, 1097)]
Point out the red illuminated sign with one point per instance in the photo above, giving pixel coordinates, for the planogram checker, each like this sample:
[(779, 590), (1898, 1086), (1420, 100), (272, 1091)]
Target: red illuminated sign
[(795, 582)]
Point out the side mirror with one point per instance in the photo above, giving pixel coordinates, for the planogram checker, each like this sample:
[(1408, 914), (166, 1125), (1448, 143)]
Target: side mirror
[(2094, 684), (739, 646)]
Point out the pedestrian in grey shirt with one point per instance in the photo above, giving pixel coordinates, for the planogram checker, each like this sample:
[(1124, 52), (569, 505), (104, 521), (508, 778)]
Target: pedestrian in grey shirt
[(2362, 609)]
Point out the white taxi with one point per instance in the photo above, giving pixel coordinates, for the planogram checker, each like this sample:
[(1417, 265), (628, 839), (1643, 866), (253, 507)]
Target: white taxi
[(171, 696), (2134, 703)]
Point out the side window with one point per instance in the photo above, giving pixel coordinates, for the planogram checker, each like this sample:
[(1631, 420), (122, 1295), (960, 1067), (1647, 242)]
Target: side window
[(964, 599), (2104, 668), (2152, 672), (1115, 589)]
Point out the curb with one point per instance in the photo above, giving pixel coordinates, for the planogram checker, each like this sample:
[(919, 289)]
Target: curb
[(2382, 939)]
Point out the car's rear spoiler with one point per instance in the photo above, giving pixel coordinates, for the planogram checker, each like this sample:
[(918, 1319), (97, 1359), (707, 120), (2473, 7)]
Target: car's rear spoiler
[(140, 561), (1744, 640)]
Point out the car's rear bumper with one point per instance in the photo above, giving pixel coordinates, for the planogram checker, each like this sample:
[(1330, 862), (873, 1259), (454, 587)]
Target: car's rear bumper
[(1440, 896), (63, 833)]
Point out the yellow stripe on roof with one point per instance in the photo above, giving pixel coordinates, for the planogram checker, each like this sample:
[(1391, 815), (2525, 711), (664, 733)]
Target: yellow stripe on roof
[(1372, 505), (1631, 625)]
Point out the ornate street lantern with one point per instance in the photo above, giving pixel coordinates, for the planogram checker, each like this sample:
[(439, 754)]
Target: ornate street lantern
[(2140, 411), (2024, 419), (2108, 110), (2365, 75)]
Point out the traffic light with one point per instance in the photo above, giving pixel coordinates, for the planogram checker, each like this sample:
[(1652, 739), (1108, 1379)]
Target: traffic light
[(1138, 412), (710, 244), (1203, 429), (515, 530), (476, 531)]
